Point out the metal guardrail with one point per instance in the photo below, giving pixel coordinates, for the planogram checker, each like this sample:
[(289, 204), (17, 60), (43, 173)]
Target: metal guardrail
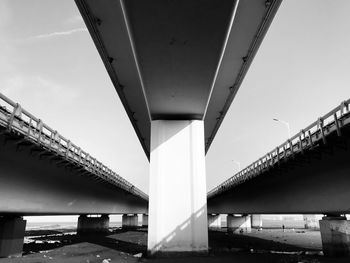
[(17, 119), (305, 139)]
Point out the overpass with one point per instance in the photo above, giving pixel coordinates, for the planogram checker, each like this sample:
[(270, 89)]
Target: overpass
[(44, 173), (177, 66), (307, 174)]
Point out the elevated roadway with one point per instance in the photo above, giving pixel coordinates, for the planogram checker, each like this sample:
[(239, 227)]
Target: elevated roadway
[(308, 174), (44, 173), (177, 66), (177, 60)]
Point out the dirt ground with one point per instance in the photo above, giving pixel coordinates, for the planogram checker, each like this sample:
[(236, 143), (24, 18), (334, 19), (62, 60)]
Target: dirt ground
[(130, 246)]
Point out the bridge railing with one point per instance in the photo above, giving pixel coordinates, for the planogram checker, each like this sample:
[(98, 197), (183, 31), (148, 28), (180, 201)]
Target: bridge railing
[(300, 142), (17, 119)]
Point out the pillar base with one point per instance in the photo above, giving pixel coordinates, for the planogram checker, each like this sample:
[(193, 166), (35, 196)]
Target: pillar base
[(144, 220), (214, 221), (238, 224), (256, 221), (335, 234), (129, 221), (171, 254), (11, 236), (93, 225), (310, 222)]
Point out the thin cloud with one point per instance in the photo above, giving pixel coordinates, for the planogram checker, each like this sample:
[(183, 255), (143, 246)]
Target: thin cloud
[(75, 19), (61, 33), (26, 89)]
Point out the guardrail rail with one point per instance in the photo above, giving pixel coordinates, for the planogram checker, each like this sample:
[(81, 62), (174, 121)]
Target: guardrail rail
[(17, 120), (305, 139)]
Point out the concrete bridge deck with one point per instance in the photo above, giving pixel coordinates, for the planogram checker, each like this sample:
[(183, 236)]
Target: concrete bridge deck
[(307, 174), (44, 173)]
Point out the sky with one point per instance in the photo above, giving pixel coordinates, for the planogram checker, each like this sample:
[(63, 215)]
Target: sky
[(49, 64)]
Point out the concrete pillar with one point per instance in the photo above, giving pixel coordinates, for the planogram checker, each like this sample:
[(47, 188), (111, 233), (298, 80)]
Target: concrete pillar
[(177, 196), (311, 222), (11, 236), (93, 225), (145, 220), (214, 221), (238, 224), (335, 234), (130, 221), (256, 221)]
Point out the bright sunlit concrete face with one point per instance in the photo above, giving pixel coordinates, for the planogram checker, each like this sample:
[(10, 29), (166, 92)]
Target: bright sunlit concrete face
[(177, 194)]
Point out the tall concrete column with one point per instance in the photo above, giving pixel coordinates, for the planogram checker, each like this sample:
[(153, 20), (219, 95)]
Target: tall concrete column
[(214, 221), (11, 236), (310, 222), (177, 196), (145, 220), (130, 221), (256, 221), (238, 224), (335, 234), (93, 225)]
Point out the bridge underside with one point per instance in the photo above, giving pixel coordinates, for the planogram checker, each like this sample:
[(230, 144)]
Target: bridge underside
[(177, 60), (35, 182), (177, 65), (315, 182)]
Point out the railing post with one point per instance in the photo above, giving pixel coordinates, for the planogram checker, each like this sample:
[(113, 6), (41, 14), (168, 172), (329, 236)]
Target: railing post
[(67, 148), (39, 127), (320, 123), (310, 138), (17, 111), (337, 124), (300, 141)]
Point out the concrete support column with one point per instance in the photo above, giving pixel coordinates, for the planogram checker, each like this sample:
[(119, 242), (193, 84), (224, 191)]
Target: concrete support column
[(130, 221), (238, 224), (310, 222), (11, 236), (93, 225), (256, 221), (177, 196), (214, 221), (335, 234), (145, 220)]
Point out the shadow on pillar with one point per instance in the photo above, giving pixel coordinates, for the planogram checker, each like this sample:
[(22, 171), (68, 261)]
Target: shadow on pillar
[(311, 222), (238, 224), (177, 204), (88, 225), (180, 236), (130, 221), (214, 221), (11, 236), (144, 220), (335, 234), (256, 221)]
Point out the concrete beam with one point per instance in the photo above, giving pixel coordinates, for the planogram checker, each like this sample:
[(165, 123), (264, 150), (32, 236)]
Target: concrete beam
[(315, 182), (34, 185)]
